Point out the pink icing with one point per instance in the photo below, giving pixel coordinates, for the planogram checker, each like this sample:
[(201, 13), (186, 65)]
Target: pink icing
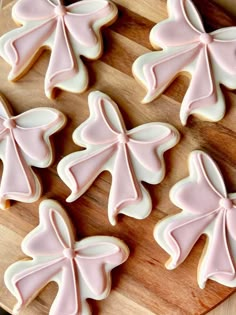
[(9, 123), (226, 203), (195, 44), (69, 253), (25, 146), (112, 140), (75, 22), (60, 10), (123, 138), (157, 74), (204, 200), (206, 39), (80, 267)]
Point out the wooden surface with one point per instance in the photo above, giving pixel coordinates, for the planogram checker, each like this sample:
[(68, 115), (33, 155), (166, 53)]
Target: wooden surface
[(229, 5), (142, 285)]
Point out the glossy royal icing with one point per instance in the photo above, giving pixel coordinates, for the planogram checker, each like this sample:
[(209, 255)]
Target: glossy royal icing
[(206, 209), (69, 31), (24, 142), (131, 156), (210, 59), (81, 269)]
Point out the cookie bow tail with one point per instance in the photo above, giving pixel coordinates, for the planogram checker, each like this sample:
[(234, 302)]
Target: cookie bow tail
[(60, 69), (217, 263), (178, 236), (18, 181), (202, 94), (79, 170), (26, 284), (125, 189), (156, 70), (20, 51)]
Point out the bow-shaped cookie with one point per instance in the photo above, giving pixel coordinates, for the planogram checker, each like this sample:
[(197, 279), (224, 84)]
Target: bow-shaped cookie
[(81, 269), (130, 156), (207, 209), (24, 142), (210, 58), (69, 31)]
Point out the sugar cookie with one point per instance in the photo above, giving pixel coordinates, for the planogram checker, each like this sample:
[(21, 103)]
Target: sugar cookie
[(81, 269), (68, 31), (24, 142), (131, 156), (209, 58), (206, 209)]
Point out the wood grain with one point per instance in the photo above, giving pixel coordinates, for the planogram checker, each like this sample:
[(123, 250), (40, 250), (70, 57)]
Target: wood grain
[(142, 285)]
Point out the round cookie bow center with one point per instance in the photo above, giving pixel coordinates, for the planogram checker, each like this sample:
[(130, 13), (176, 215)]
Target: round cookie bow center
[(60, 10), (69, 253), (123, 138), (226, 203), (9, 123), (206, 39)]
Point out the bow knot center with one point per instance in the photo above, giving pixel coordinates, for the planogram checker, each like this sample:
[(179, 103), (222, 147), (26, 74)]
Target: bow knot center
[(226, 203), (9, 123), (123, 138), (69, 253), (60, 10), (206, 39)]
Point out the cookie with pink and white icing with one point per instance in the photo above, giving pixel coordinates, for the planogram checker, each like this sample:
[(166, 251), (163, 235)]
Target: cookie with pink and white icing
[(25, 142), (131, 156), (68, 31), (210, 59), (80, 268), (207, 209)]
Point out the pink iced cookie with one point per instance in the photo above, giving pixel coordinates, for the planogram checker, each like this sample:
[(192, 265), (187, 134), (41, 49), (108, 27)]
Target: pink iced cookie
[(24, 142), (208, 209), (68, 31), (209, 58), (131, 156), (81, 269)]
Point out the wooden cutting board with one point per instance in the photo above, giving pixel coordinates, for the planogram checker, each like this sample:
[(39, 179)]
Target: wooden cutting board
[(142, 285)]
